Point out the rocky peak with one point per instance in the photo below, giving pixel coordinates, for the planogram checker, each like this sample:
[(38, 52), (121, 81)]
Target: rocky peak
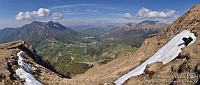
[(45, 25), (149, 22), (56, 25), (50, 22), (36, 22)]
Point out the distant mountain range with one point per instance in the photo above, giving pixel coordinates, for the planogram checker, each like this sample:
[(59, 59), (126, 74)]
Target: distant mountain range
[(136, 29), (94, 32), (36, 32), (106, 27), (70, 51), (134, 33)]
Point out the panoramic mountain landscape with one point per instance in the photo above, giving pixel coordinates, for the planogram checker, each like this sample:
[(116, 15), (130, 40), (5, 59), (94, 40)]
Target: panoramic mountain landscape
[(72, 52), (64, 44)]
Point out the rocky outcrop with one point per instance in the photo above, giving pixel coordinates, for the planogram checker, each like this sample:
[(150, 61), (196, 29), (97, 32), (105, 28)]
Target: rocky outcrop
[(41, 70)]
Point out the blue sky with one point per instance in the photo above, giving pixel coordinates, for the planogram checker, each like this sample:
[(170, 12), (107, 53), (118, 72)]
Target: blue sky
[(15, 13)]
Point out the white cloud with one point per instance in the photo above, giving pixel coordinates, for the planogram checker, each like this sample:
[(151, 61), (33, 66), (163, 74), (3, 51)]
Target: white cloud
[(57, 16), (147, 13), (20, 16), (25, 16), (127, 16), (41, 12)]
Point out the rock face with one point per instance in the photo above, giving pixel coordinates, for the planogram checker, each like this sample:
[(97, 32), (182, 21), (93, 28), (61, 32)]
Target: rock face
[(149, 25), (42, 71)]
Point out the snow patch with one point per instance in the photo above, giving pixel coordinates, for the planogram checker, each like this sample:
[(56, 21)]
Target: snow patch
[(24, 65), (30, 80), (25, 76), (167, 53), (55, 25), (21, 61)]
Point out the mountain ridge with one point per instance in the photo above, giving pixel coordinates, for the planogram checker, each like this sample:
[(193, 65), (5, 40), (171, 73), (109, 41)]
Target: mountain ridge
[(143, 27), (37, 31)]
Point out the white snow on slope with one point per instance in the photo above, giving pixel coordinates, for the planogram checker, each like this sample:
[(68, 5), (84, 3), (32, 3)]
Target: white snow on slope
[(27, 77), (164, 55), (24, 65), (20, 54), (30, 80), (21, 62)]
